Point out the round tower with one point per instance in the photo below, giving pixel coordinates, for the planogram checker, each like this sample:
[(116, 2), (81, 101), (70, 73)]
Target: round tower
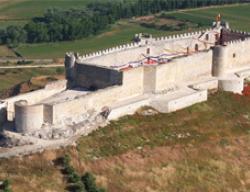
[(220, 60), (28, 118)]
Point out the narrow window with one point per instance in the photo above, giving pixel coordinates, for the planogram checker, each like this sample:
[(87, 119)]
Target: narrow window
[(207, 37), (148, 51), (196, 47), (216, 37)]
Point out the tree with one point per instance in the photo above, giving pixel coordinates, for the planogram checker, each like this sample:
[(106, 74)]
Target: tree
[(15, 35), (89, 182)]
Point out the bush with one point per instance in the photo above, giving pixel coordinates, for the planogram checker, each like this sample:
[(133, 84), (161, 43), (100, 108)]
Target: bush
[(89, 182), (85, 184), (6, 186)]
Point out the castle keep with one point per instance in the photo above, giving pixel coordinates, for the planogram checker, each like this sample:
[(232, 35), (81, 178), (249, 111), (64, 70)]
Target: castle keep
[(166, 73)]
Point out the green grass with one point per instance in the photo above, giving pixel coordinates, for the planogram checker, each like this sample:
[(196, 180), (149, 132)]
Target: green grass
[(238, 16), (122, 32), (11, 77), (163, 129), (144, 152), (26, 9)]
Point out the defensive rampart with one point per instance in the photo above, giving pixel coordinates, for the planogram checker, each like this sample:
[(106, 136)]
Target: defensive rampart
[(34, 97), (95, 77), (129, 76), (184, 69), (132, 86), (28, 118), (121, 54)]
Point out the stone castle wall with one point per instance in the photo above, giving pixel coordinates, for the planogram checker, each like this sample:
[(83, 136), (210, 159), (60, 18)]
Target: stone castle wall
[(188, 68), (238, 54), (132, 86), (133, 52), (235, 55), (30, 113), (95, 77), (116, 86), (28, 118)]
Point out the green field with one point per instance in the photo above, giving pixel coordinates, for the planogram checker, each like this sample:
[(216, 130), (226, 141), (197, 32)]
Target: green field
[(26, 9), (122, 32), (238, 16)]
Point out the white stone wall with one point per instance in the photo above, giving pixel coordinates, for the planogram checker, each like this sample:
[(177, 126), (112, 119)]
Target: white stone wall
[(123, 54), (28, 118), (119, 58), (187, 100), (34, 97), (132, 87), (235, 85), (238, 54), (232, 57), (183, 69)]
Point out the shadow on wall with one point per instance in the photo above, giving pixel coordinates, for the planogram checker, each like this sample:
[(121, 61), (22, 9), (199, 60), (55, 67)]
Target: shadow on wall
[(3, 114), (95, 77)]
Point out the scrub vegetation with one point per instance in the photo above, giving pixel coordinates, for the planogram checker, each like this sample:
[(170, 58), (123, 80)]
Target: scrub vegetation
[(202, 148)]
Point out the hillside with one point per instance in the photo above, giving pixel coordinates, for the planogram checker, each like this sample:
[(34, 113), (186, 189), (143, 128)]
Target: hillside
[(201, 148)]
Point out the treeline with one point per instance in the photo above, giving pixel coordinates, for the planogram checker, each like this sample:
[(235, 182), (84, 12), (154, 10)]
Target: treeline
[(65, 25)]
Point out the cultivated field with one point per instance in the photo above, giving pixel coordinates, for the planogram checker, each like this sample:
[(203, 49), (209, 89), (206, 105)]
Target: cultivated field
[(26, 9), (202, 148), (122, 32), (237, 15)]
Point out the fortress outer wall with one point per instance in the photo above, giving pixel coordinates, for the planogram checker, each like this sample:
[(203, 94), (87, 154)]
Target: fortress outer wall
[(95, 77), (28, 118)]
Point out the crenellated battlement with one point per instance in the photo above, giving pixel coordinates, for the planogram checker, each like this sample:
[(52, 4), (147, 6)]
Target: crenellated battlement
[(234, 43), (109, 51), (123, 47), (112, 80)]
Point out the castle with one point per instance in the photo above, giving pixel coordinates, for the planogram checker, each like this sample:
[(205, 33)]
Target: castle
[(166, 73)]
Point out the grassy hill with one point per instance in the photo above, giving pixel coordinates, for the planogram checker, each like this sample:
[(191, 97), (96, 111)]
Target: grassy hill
[(205, 148)]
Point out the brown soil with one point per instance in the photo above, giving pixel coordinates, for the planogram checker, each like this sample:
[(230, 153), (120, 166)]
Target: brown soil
[(138, 168), (33, 84)]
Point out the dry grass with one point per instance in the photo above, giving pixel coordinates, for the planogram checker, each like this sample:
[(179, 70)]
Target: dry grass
[(6, 52), (139, 153)]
